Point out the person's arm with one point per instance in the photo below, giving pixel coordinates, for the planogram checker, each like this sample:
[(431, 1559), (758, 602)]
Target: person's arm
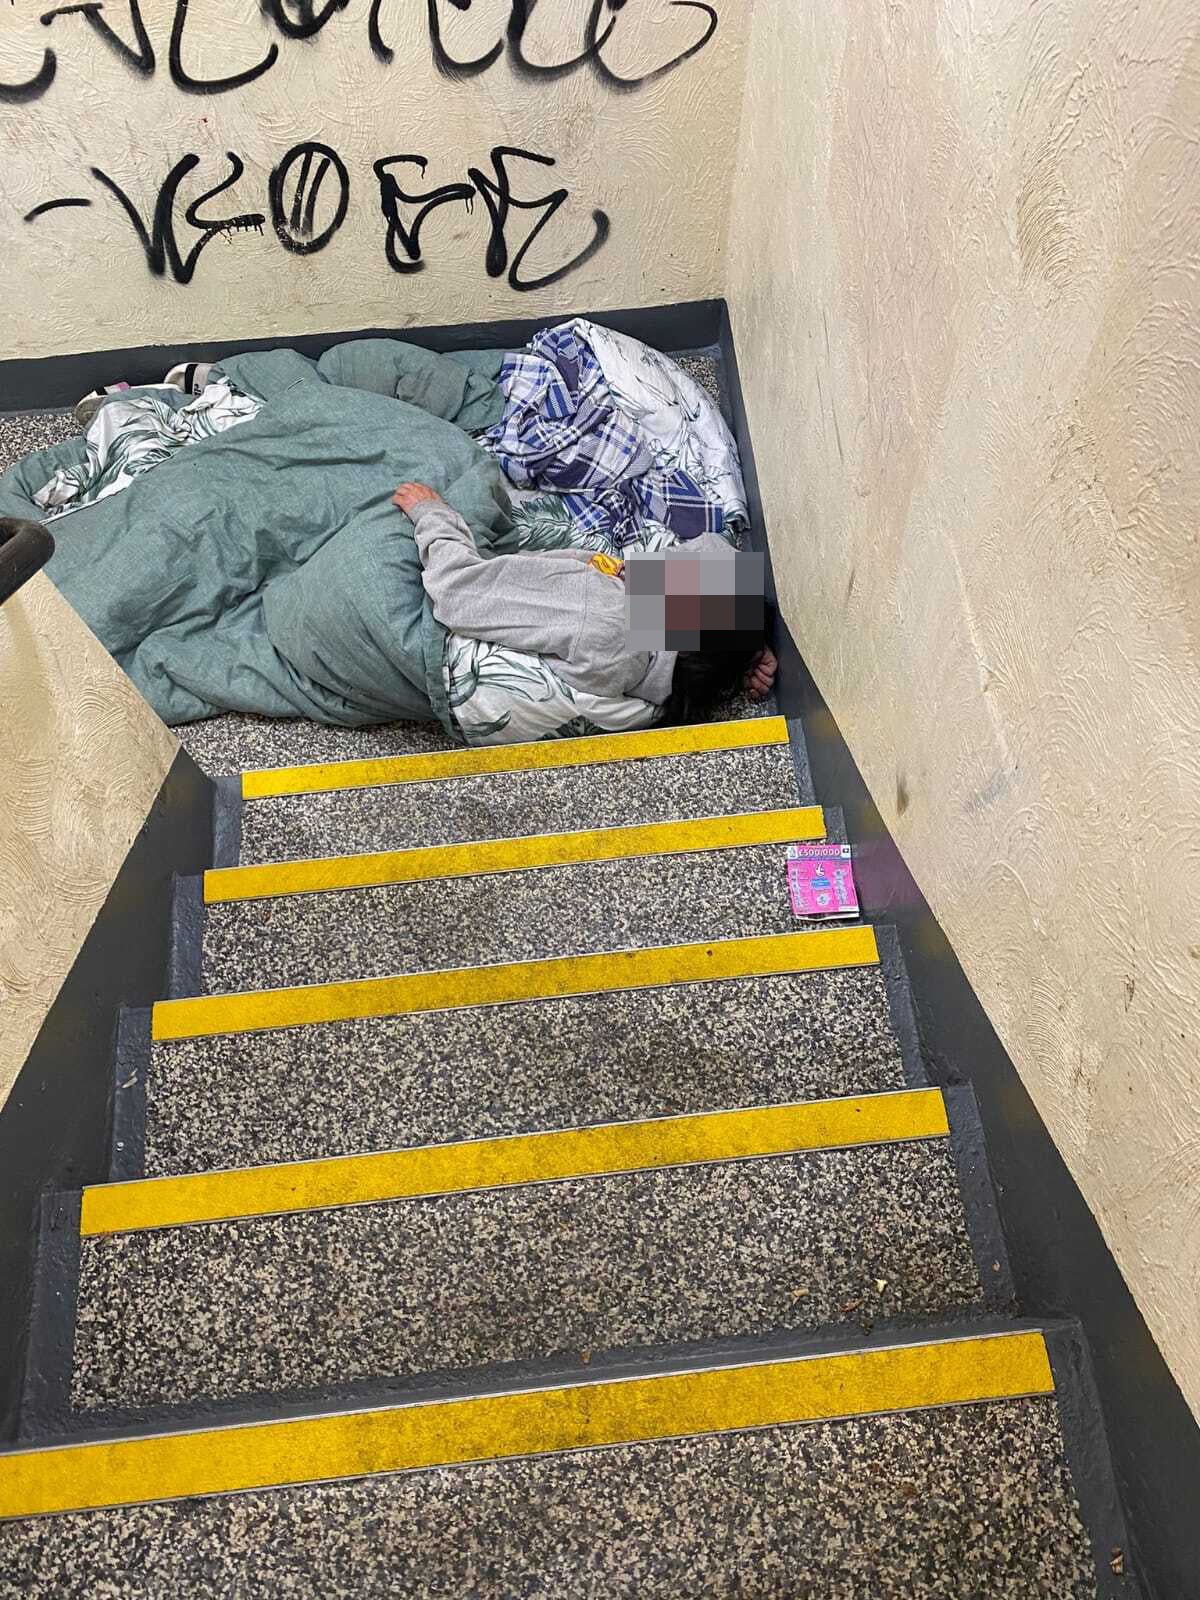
[(528, 601)]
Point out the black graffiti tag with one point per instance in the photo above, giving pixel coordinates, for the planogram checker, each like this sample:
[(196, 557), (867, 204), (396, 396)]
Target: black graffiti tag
[(159, 242), (309, 198), (138, 57), (182, 79), (302, 174), (402, 245), (298, 19), (500, 201), (601, 27), (15, 94), (403, 242), (305, 19)]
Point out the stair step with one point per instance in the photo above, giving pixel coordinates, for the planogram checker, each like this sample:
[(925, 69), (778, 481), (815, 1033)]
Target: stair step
[(523, 853), (522, 802), (382, 1082), (543, 1156), (609, 902), (397, 815), (934, 1468), (603, 971), (596, 750), (305, 1277)]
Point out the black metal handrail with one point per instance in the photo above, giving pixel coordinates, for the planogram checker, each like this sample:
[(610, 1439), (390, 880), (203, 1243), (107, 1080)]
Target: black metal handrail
[(25, 548)]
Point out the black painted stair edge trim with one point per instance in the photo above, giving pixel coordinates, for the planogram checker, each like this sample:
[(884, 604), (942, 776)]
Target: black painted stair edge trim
[(49, 382), (534, 1372), (1060, 1260), (186, 953), (46, 1400), (54, 1125), (800, 762), (131, 1073), (901, 1014), (984, 1228), (1081, 1419), (227, 821), (835, 830)]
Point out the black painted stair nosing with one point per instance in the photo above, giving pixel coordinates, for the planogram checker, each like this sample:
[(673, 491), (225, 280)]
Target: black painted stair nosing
[(46, 1396), (981, 1212), (801, 766), (227, 821), (131, 1075), (901, 1012), (1085, 1442), (51, 383), (186, 954)]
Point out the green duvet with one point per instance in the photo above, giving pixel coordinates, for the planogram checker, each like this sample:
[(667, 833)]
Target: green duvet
[(265, 569)]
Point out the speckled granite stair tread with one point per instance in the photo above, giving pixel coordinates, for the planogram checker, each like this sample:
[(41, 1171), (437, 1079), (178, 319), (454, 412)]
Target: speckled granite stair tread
[(508, 805), (233, 743), (320, 1298), (940, 1505), (511, 916), (340, 1087)]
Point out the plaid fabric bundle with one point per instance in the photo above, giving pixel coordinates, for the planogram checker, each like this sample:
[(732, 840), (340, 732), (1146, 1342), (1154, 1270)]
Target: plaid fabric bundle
[(562, 430)]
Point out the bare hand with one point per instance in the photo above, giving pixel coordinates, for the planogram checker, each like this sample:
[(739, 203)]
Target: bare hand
[(410, 495), (760, 678)]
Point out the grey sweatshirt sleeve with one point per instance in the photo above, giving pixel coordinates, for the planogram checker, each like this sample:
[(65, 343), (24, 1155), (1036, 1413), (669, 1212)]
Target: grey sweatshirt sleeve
[(533, 602), (547, 603)]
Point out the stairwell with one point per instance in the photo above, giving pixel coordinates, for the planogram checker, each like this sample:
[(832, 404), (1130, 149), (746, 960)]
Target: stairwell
[(512, 1199)]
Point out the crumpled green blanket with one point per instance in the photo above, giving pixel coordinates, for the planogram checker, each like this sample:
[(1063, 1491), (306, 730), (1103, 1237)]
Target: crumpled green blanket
[(266, 569)]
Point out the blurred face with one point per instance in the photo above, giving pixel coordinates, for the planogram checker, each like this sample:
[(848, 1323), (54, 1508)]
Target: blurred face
[(683, 600)]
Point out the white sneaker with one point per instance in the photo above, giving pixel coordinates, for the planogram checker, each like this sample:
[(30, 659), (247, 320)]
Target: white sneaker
[(190, 376), (87, 408)]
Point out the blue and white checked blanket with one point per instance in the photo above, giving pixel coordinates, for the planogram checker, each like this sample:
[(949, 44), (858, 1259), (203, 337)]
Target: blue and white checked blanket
[(564, 430)]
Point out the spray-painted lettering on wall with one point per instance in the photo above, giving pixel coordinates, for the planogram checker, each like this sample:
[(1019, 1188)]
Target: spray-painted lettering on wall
[(310, 190), (302, 19), (308, 196)]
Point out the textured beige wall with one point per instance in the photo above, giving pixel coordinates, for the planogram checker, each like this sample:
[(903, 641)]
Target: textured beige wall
[(656, 160), (82, 757), (965, 278)]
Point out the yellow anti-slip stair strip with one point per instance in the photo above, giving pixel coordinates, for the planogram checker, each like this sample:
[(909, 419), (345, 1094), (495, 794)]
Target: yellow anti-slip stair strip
[(503, 984), (746, 734), (389, 1439), (515, 1159), (513, 855)]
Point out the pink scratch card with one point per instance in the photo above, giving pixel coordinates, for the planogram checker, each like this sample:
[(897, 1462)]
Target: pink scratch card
[(821, 880)]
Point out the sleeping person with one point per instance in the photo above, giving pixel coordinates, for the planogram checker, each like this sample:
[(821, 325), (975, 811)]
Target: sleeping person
[(677, 629)]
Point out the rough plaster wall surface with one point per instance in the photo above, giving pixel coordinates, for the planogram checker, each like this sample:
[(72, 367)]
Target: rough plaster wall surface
[(965, 287), (279, 221), (82, 758)]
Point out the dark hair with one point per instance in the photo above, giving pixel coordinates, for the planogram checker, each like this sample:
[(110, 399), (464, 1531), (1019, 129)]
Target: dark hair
[(702, 678)]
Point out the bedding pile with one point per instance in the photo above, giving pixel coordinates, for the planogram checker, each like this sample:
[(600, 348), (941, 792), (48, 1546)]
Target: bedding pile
[(135, 431), (621, 432), (264, 568), (239, 550)]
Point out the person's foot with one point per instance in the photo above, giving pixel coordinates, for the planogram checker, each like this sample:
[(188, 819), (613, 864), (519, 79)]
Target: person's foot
[(760, 676)]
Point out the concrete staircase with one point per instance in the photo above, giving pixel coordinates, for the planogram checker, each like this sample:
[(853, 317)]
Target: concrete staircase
[(512, 1199)]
